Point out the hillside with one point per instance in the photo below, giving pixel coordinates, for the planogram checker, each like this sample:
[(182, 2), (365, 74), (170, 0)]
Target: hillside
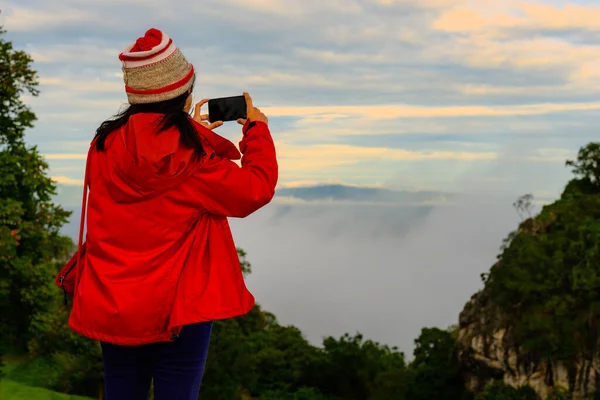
[(537, 320)]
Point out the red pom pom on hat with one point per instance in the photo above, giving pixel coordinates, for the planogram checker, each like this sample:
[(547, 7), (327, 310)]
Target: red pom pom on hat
[(152, 44), (150, 40)]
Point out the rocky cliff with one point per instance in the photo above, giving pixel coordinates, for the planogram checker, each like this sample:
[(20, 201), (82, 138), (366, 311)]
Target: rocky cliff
[(537, 320), (487, 352)]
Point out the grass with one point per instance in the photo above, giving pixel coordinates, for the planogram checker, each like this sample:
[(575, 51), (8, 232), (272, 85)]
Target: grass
[(11, 390), (19, 380)]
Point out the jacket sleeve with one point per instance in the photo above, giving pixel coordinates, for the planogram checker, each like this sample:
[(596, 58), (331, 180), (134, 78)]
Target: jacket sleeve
[(230, 190)]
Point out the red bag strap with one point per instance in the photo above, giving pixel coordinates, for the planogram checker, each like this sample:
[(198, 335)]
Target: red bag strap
[(84, 201)]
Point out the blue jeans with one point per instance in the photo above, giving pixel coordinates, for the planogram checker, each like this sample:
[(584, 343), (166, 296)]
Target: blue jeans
[(176, 367)]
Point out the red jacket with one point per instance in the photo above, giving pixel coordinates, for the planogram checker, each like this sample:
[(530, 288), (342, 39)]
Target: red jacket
[(159, 252)]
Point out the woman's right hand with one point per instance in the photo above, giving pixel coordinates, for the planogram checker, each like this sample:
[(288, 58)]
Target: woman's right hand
[(252, 113)]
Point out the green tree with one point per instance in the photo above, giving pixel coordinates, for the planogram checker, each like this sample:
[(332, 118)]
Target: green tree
[(500, 391), (357, 369), (435, 370), (30, 241), (305, 393), (283, 359), (1, 365), (587, 165), (75, 361), (244, 263), (253, 355), (31, 246)]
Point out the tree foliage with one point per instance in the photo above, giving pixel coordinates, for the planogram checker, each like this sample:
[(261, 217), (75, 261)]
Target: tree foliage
[(587, 165), (524, 205), (435, 370), (547, 278), (32, 248), (500, 391), (355, 368), (30, 241)]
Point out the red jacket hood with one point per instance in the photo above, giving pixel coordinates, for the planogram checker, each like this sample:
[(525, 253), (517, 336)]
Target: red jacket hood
[(147, 163)]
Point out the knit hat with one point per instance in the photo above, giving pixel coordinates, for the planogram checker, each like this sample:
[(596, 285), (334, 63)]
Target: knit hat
[(155, 70)]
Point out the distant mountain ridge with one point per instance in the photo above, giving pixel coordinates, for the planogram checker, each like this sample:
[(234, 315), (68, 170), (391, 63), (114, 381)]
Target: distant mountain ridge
[(70, 195), (339, 192)]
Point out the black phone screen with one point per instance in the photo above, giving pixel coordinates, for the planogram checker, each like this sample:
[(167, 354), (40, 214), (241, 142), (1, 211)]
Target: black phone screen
[(227, 108)]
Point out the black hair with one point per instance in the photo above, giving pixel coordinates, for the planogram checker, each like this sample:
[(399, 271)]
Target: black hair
[(174, 115)]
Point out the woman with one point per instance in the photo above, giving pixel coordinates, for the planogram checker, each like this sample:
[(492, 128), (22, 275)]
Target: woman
[(159, 262)]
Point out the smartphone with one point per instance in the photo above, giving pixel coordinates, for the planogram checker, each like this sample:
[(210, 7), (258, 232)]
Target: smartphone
[(227, 108)]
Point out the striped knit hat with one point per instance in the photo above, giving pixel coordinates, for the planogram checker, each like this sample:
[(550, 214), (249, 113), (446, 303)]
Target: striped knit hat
[(154, 69)]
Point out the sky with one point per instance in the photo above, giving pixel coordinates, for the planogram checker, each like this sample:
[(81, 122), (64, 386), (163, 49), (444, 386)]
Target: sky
[(480, 97), (477, 95)]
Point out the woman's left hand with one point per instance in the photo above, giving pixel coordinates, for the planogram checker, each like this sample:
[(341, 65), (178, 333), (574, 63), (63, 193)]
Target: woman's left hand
[(203, 118)]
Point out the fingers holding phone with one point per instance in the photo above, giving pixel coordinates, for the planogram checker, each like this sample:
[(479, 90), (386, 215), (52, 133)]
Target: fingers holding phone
[(235, 108), (252, 113), (203, 119)]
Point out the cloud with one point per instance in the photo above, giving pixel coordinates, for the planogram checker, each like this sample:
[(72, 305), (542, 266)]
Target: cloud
[(64, 156), (294, 9), (31, 19), (531, 53), (81, 86), (320, 156), (409, 111), (64, 180), (526, 35), (522, 15)]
